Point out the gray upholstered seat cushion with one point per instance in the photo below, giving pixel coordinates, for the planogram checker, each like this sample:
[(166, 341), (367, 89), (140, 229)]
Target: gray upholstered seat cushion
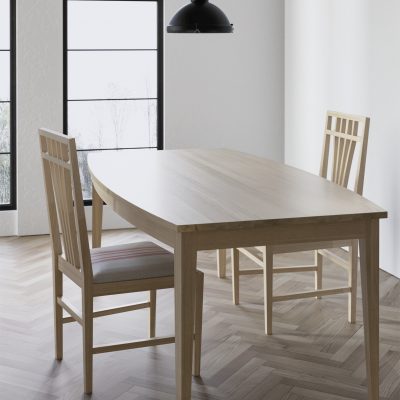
[(130, 262)]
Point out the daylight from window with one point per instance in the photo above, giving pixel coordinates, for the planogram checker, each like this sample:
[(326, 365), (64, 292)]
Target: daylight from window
[(112, 77), (5, 92)]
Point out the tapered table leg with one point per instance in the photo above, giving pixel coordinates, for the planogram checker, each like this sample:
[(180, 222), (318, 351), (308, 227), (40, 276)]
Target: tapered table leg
[(221, 263), (97, 218), (185, 278), (369, 251)]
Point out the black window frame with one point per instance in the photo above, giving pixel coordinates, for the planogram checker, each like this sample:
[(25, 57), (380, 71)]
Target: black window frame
[(13, 107), (160, 71)]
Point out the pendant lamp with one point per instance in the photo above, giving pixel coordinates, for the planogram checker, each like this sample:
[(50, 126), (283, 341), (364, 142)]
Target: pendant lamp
[(200, 16)]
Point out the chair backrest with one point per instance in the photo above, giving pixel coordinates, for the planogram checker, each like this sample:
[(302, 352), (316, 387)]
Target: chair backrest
[(64, 200), (345, 132)]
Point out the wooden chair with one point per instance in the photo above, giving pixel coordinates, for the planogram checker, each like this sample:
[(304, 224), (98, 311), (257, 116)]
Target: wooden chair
[(106, 271), (344, 133)]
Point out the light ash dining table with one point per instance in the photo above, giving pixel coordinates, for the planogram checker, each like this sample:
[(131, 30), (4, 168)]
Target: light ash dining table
[(197, 199)]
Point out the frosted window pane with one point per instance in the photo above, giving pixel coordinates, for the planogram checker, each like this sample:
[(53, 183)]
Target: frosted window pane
[(4, 179), (4, 24), (112, 25), (4, 127), (105, 75), (113, 124), (4, 75)]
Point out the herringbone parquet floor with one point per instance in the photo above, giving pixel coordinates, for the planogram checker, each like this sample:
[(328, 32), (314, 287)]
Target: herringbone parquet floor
[(314, 353)]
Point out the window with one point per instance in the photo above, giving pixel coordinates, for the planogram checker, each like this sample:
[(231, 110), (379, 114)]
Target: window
[(7, 106), (113, 77)]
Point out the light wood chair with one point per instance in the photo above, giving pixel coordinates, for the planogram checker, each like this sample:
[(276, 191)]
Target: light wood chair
[(105, 271), (344, 133)]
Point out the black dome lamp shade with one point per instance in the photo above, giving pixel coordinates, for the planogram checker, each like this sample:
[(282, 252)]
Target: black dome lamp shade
[(200, 16)]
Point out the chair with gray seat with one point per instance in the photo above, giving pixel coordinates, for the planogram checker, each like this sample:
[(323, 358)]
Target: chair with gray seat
[(345, 142), (127, 268)]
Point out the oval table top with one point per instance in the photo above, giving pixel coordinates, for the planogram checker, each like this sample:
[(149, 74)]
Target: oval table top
[(199, 189)]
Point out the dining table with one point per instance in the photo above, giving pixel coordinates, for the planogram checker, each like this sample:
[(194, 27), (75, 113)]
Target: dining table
[(208, 199)]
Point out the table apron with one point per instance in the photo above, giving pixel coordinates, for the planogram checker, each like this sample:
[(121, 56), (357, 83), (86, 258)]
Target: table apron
[(280, 234)]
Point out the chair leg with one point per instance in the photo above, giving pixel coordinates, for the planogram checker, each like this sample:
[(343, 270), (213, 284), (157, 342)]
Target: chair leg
[(235, 276), (87, 317), (352, 279), (268, 258), (58, 312), (152, 317), (198, 323), (221, 263), (318, 272)]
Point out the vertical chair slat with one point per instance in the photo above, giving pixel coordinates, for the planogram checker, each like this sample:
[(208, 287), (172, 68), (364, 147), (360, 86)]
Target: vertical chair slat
[(69, 203), (350, 154), (63, 204), (345, 153), (342, 143), (336, 151), (54, 168), (359, 184), (80, 220), (325, 150), (51, 202), (63, 200)]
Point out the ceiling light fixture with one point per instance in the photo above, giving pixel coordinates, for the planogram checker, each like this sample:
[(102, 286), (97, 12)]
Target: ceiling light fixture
[(200, 16)]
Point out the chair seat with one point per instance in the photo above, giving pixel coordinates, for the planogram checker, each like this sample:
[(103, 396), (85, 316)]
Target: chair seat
[(132, 261)]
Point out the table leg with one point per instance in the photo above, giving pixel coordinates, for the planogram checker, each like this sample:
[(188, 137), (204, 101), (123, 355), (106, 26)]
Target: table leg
[(97, 218), (221, 260), (369, 251), (185, 279)]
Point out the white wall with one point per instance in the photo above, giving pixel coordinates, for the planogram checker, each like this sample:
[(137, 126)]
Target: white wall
[(226, 90), (342, 55), (325, 69), (384, 161), (221, 90), (39, 102)]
